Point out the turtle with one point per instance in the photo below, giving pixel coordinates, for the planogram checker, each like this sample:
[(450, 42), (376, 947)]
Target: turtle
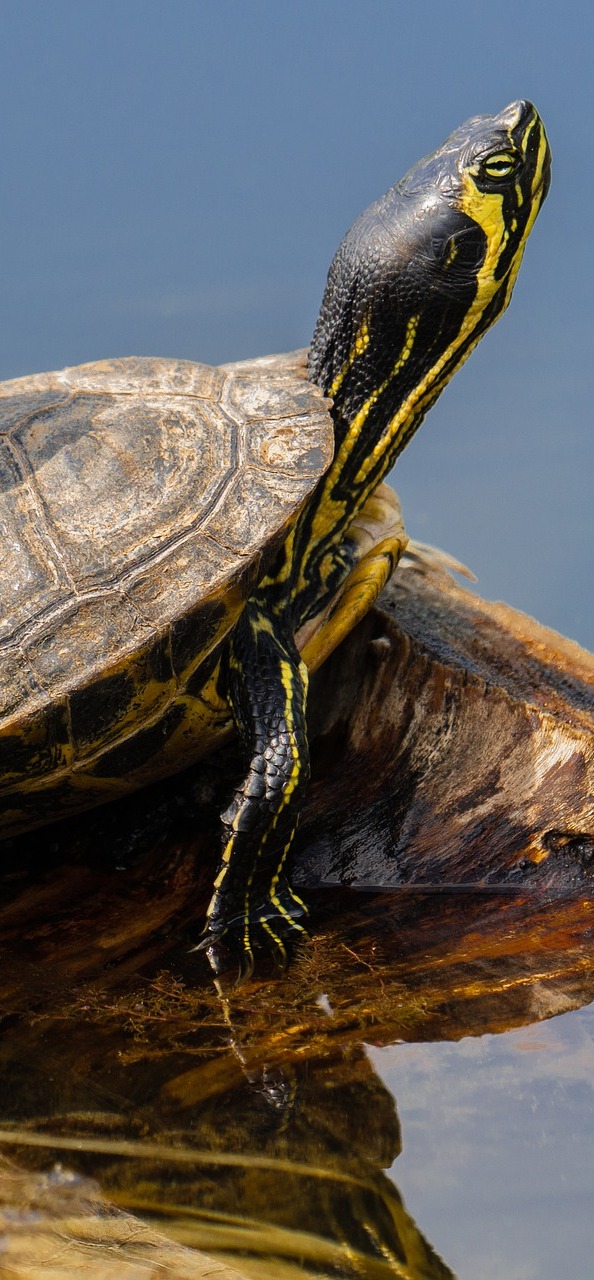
[(183, 543)]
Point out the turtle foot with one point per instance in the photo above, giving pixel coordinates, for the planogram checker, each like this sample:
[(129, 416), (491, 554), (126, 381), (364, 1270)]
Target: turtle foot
[(270, 930)]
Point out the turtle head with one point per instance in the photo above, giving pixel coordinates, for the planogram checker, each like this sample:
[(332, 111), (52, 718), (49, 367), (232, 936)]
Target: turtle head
[(421, 275), (492, 174)]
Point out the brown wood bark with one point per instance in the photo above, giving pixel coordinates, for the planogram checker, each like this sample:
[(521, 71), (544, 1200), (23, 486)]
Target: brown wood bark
[(453, 741)]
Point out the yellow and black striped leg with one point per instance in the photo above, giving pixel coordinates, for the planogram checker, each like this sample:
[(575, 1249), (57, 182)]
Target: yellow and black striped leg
[(253, 904)]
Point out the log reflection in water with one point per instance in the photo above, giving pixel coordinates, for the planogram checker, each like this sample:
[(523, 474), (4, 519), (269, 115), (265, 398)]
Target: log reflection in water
[(271, 1133)]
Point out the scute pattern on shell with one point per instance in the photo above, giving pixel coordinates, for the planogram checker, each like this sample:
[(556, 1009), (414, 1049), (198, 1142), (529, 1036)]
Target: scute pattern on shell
[(132, 490)]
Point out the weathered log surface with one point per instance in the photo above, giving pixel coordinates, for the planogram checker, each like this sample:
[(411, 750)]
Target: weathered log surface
[(454, 741), (452, 745)]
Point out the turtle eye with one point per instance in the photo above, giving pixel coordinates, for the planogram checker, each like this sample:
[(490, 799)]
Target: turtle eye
[(502, 164)]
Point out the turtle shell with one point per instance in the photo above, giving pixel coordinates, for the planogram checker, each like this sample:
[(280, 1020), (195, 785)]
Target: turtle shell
[(140, 502)]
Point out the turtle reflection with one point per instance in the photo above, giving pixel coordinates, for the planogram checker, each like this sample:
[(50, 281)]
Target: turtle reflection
[(275, 1175), (255, 1139), (310, 1192)]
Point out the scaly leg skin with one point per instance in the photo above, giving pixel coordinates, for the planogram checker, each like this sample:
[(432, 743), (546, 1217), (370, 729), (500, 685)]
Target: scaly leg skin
[(253, 903)]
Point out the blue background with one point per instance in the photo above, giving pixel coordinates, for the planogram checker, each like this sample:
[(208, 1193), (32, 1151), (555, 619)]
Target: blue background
[(176, 177)]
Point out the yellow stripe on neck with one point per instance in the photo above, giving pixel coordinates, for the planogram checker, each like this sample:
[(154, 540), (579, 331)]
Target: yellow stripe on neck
[(360, 345)]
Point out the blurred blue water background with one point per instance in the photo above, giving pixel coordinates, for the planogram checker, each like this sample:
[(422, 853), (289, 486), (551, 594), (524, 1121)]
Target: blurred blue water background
[(176, 178)]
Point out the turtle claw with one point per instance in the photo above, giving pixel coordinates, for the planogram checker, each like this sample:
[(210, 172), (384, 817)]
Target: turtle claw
[(225, 953), (222, 956), (271, 929)]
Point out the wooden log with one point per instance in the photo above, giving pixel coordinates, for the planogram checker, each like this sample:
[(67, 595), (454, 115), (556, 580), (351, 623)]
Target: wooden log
[(452, 745), (453, 742)]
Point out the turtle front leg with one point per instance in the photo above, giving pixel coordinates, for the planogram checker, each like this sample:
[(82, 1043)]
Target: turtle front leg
[(253, 904)]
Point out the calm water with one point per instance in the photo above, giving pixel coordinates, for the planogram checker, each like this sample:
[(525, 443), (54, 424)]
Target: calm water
[(496, 1163)]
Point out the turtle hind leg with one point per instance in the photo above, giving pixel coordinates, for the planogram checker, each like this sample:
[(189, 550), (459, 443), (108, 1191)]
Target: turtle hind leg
[(253, 905)]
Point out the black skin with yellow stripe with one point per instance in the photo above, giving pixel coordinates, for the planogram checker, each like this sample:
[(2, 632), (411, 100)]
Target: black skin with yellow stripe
[(417, 280)]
